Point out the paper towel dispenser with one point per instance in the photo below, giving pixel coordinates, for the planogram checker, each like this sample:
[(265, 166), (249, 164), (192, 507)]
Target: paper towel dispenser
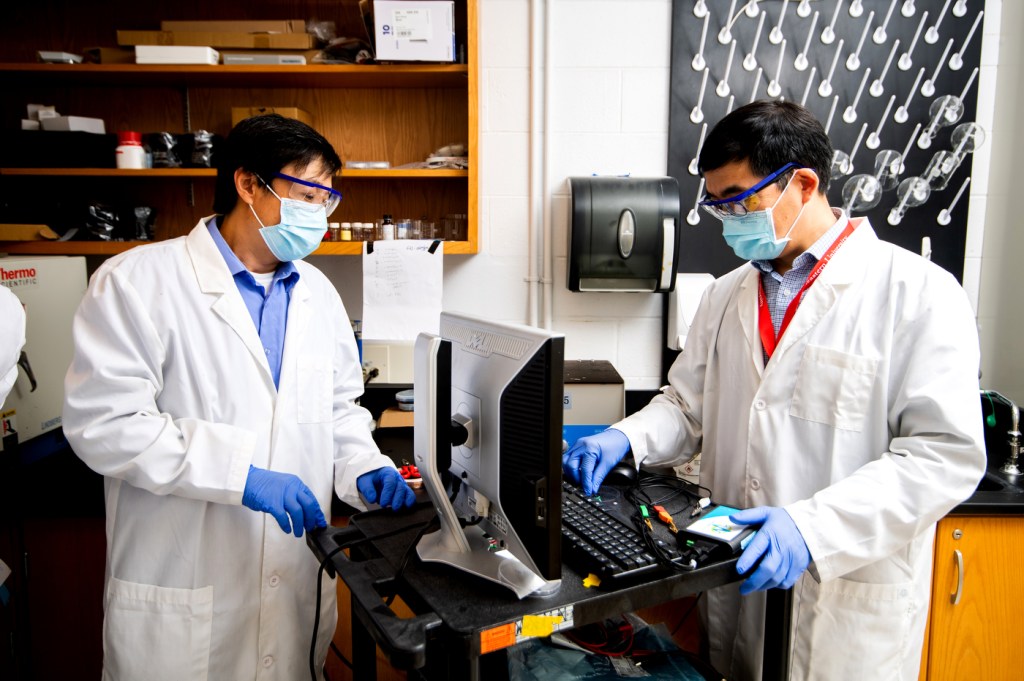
[(623, 234)]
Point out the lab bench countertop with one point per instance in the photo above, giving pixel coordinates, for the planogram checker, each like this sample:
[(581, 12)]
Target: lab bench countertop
[(998, 493)]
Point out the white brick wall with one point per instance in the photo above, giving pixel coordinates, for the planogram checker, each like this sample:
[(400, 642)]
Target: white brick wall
[(610, 116)]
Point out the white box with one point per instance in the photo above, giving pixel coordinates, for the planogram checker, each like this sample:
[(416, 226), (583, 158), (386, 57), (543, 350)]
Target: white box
[(79, 123), (175, 54), (414, 30), (50, 287)]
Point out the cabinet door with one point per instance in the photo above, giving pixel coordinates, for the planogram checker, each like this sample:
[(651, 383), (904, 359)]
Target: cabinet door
[(980, 636)]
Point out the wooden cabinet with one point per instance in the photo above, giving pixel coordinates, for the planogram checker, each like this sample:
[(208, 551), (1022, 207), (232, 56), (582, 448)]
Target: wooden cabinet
[(399, 113), (974, 629)]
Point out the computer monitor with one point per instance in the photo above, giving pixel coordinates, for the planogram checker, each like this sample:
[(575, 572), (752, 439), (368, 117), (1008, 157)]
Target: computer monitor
[(488, 411)]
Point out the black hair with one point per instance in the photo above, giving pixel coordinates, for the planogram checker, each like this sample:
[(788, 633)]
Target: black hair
[(264, 145), (768, 134)]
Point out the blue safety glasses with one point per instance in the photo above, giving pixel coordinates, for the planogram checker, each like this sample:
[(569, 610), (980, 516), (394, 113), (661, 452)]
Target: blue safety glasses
[(311, 192), (747, 202)]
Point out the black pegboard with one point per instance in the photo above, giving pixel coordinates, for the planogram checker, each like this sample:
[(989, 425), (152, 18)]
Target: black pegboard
[(703, 249)]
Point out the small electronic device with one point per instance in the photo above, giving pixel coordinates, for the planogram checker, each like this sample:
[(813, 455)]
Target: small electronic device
[(715, 526)]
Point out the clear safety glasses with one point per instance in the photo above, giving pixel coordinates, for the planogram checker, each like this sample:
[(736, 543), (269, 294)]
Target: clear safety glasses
[(748, 201), (311, 192)]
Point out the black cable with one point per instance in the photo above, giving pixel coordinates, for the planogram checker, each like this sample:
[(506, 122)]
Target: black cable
[(319, 586), (436, 520), (344, 660), (686, 615)]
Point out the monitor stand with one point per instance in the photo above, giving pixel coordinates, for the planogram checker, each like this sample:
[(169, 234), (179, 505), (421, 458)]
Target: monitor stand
[(467, 549)]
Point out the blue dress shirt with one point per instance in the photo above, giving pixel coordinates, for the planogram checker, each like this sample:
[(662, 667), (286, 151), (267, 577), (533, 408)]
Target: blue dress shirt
[(268, 309)]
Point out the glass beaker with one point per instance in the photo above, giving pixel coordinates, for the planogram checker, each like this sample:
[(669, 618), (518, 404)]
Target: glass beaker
[(945, 110), (888, 164), (861, 193), (911, 192)]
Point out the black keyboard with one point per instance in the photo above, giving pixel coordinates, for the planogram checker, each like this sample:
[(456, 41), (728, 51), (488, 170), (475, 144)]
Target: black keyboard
[(595, 541)]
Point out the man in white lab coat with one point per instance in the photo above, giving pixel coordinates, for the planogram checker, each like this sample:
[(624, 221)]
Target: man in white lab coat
[(831, 385), (12, 339), (213, 385)]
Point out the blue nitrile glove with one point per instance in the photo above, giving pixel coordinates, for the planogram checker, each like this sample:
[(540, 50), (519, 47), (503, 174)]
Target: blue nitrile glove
[(784, 551), (283, 496), (588, 461), (387, 485)]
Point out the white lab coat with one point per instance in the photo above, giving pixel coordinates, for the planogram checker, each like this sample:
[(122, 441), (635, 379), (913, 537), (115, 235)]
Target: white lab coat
[(12, 339), (865, 425), (170, 397)]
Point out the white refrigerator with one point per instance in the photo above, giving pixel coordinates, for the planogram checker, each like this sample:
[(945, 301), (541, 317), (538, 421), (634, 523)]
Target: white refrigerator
[(50, 288)]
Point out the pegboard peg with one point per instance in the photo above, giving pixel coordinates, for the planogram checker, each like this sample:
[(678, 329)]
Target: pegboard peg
[(774, 88), (956, 62), (700, 9), (698, 63), (803, 10), (828, 34), (928, 87), (831, 113), (800, 63), (907, 59), (856, 8), (877, 88), (693, 168), (750, 61), (874, 139), (960, 8), (856, 145), (775, 36), (825, 89), (902, 114), (697, 114), (693, 217), (880, 36), (722, 89), (757, 81), (931, 36), (751, 8), (945, 215), (725, 35), (807, 88), (908, 8), (853, 61), (850, 115), (906, 149)]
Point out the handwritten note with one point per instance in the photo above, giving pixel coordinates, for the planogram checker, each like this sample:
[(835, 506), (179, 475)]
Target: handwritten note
[(402, 285)]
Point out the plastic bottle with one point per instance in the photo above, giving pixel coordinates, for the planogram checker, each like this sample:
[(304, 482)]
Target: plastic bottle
[(333, 231), (130, 152), (346, 231), (387, 228)]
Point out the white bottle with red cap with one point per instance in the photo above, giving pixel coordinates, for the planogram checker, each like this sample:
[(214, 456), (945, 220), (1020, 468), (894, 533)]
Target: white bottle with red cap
[(130, 152)]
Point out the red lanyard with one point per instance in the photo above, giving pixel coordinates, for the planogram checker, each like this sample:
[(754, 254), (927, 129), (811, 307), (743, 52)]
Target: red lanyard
[(764, 317)]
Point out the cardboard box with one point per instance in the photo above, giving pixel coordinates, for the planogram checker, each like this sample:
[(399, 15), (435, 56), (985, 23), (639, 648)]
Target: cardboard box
[(261, 41), (110, 55), (237, 26), (175, 54), (393, 417), (414, 30), (240, 113), (268, 57), (27, 233), (79, 123)]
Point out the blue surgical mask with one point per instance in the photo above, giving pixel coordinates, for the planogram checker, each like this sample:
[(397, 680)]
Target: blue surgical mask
[(752, 236), (300, 231)]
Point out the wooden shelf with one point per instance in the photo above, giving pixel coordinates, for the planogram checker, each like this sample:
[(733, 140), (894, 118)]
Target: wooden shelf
[(107, 248), (236, 76), (372, 174)]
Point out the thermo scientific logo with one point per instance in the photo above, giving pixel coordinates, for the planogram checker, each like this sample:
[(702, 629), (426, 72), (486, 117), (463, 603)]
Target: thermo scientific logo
[(18, 277)]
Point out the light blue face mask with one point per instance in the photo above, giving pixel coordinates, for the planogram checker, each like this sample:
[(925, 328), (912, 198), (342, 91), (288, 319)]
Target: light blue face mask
[(752, 236), (300, 231)]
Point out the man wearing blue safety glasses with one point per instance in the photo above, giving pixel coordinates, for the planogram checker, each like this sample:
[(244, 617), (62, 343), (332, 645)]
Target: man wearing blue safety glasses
[(831, 387), (214, 386)]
